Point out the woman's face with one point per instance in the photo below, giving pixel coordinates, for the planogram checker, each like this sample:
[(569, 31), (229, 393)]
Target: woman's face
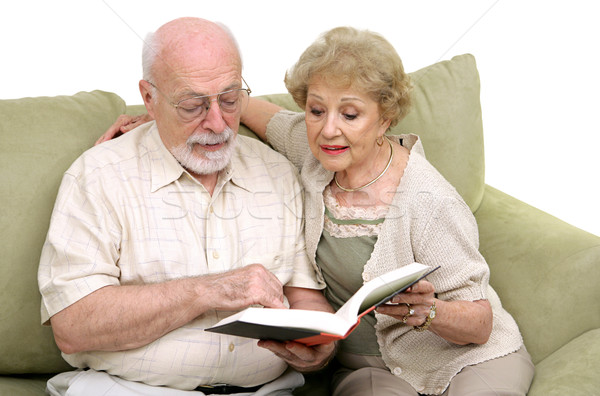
[(343, 126)]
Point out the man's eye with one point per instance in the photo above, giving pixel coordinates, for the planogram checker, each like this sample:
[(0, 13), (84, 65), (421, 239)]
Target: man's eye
[(191, 109), (229, 102), (192, 104)]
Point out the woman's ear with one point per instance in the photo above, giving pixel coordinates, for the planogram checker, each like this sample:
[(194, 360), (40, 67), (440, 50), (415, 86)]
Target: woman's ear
[(385, 125)]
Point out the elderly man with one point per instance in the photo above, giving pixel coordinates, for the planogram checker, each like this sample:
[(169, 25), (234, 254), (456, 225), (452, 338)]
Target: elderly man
[(163, 232)]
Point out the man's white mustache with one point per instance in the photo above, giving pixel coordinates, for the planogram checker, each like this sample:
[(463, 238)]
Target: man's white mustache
[(205, 138)]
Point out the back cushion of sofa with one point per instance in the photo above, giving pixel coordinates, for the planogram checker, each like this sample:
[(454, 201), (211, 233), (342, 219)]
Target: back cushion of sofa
[(446, 114), (39, 139)]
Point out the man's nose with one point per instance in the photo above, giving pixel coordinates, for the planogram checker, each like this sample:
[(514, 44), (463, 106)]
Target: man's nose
[(214, 117)]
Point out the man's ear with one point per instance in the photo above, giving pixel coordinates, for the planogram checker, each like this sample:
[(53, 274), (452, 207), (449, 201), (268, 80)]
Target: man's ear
[(147, 91)]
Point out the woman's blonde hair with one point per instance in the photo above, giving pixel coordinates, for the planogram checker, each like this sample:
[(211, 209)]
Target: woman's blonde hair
[(346, 57)]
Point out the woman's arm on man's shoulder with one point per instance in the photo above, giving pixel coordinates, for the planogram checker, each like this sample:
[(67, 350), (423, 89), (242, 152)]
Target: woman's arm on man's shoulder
[(257, 115), (123, 124)]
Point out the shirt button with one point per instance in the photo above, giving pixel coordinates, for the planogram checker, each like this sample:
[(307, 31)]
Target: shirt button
[(397, 371), (215, 255), (231, 347), (211, 210), (366, 277)]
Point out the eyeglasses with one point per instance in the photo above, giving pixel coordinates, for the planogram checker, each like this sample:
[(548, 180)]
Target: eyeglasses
[(196, 107)]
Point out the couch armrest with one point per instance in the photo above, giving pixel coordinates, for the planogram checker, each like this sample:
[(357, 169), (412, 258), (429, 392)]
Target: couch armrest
[(546, 271)]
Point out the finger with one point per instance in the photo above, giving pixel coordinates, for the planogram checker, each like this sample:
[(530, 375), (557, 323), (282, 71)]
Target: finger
[(399, 299), (272, 290), (276, 347), (424, 287), (302, 352), (400, 310), (264, 286), (102, 139), (114, 129), (132, 124), (299, 355)]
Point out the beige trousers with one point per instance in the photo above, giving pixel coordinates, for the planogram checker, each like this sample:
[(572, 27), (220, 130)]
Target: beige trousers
[(510, 375)]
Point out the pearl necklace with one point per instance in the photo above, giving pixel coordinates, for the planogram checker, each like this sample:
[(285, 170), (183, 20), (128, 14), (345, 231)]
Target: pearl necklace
[(372, 181)]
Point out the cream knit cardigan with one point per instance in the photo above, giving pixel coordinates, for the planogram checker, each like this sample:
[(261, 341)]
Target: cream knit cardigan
[(428, 222)]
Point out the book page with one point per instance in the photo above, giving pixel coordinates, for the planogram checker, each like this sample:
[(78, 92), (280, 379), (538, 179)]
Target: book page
[(377, 290), (293, 318)]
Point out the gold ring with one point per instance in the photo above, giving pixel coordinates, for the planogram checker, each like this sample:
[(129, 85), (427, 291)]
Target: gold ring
[(410, 313)]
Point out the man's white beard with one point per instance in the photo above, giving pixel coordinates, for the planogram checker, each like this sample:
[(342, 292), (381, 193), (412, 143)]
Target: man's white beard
[(208, 162)]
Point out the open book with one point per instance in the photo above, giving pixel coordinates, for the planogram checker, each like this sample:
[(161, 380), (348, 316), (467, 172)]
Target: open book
[(318, 327)]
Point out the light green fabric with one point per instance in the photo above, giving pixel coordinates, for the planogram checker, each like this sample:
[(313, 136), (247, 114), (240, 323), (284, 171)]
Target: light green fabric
[(568, 370), (546, 272), (23, 386), (446, 115), (39, 138), (342, 261)]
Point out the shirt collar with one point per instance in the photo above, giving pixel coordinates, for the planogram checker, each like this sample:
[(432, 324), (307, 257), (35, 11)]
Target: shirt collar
[(243, 164), (164, 167)]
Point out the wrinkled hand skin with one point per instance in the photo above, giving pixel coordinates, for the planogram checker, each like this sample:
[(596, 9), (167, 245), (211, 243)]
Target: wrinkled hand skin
[(302, 358), (242, 287), (420, 297), (123, 124)]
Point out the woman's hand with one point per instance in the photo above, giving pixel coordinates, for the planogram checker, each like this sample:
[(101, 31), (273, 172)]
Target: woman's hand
[(123, 124), (459, 322), (301, 357), (417, 299)]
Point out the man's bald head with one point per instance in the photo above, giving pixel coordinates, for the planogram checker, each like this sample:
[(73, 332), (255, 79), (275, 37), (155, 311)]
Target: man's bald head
[(184, 41)]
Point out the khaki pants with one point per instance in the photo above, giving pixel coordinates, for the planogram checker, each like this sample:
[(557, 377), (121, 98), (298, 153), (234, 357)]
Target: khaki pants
[(510, 375)]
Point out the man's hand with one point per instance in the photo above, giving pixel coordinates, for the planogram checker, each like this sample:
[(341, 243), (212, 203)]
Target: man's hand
[(301, 357), (297, 355), (242, 287), (123, 124)]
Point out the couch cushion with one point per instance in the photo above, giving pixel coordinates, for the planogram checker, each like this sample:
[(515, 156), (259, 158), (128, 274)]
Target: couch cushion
[(447, 116), (23, 385), (39, 139), (571, 370)]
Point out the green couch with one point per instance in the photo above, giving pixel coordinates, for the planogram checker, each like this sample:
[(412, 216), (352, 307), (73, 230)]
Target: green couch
[(546, 271)]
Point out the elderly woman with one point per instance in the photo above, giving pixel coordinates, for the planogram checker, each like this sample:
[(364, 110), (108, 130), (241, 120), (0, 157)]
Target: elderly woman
[(373, 203)]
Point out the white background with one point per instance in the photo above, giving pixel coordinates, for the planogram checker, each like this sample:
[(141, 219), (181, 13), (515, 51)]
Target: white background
[(539, 63)]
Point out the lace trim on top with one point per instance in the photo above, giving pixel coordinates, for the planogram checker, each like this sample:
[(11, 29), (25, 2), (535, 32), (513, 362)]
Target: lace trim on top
[(369, 219)]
